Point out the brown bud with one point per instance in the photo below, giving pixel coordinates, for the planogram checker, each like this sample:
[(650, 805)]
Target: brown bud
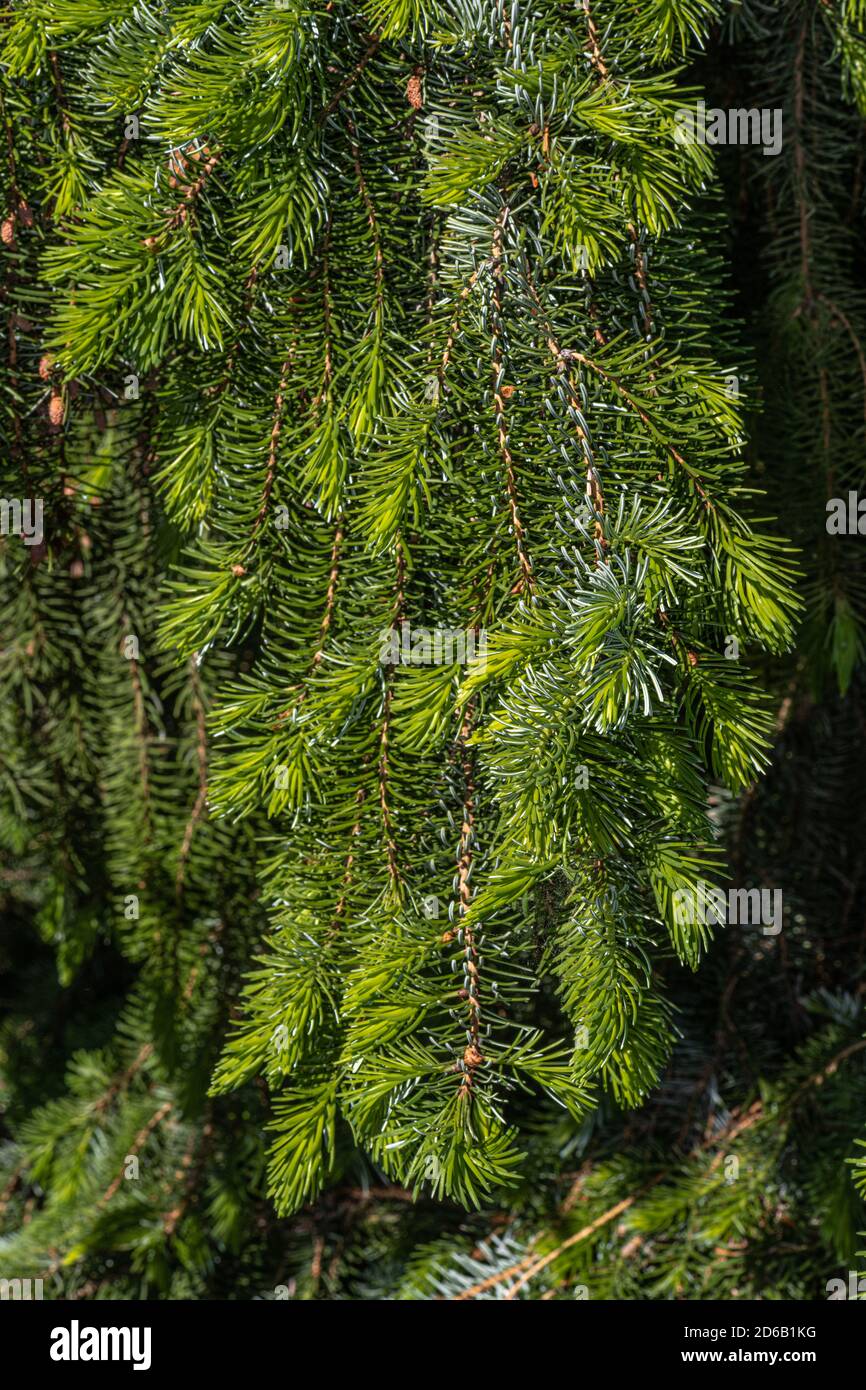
[(506, 392), (76, 569), (46, 365), (56, 409), (414, 94), (25, 215), (150, 242), (238, 571), (693, 658), (7, 231)]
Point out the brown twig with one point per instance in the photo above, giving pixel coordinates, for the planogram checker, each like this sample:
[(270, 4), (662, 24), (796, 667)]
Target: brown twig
[(352, 78), (473, 1056), (594, 48), (383, 770), (499, 390), (201, 757)]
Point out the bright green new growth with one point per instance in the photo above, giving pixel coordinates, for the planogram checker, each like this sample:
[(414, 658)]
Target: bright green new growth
[(404, 427), (433, 349)]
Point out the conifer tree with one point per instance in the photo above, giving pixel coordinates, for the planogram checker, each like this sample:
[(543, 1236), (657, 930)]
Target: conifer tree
[(411, 628)]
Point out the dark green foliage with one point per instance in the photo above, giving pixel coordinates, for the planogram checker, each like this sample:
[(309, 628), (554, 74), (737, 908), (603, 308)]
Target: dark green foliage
[(412, 624)]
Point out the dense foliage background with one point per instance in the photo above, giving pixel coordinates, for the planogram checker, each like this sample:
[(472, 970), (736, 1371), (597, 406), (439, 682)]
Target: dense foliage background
[(333, 331)]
